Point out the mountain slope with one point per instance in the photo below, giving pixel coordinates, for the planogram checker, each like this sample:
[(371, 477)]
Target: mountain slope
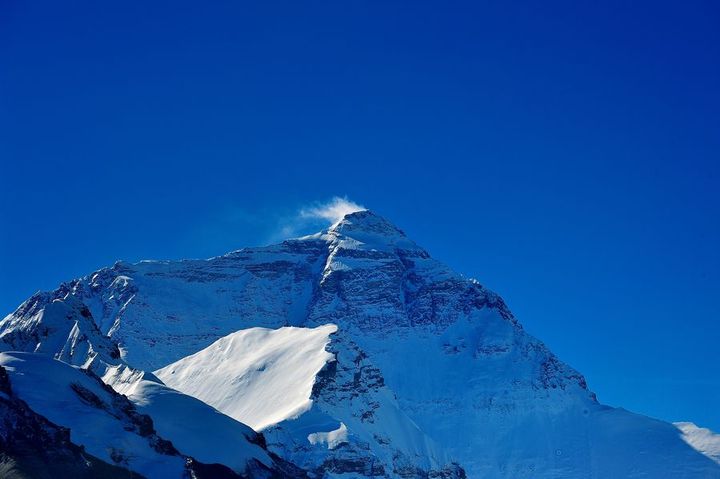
[(97, 433), (33, 447), (431, 374), (702, 439), (199, 430), (61, 325), (100, 421), (257, 376), (279, 381)]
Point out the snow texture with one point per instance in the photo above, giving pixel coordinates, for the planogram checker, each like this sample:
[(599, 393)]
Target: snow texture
[(702, 439), (427, 373), (67, 396), (258, 376), (332, 438)]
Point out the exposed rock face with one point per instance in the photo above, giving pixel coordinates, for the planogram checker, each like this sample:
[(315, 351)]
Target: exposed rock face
[(33, 447), (431, 375), (58, 324)]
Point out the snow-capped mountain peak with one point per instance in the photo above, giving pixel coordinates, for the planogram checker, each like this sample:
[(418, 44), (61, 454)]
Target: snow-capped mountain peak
[(365, 222), (354, 338), (369, 231)]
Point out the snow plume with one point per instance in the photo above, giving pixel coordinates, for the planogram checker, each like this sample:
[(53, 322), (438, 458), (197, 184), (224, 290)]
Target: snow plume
[(333, 210), (313, 217)]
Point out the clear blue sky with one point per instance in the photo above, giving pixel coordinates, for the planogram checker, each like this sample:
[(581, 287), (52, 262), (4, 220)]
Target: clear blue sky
[(565, 154)]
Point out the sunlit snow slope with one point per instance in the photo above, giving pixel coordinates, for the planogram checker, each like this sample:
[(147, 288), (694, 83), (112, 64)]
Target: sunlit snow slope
[(97, 420), (67, 327), (427, 375), (702, 439), (258, 376)]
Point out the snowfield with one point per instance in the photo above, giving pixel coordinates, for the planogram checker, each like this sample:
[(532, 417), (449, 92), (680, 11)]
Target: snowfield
[(68, 397), (354, 351), (258, 376), (197, 429)]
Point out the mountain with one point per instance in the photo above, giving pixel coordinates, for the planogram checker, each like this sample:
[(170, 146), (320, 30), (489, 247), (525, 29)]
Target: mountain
[(104, 423), (33, 447), (702, 439), (355, 354), (258, 376), (50, 387), (108, 427)]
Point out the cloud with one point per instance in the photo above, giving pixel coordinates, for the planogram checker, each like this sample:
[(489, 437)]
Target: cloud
[(311, 218), (332, 211)]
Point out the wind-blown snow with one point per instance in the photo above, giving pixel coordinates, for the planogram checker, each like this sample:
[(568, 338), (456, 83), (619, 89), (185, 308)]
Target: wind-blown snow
[(258, 376), (332, 211), (702, 439), (428, 374)]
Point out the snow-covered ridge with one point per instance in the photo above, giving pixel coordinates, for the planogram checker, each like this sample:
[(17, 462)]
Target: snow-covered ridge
[(303, 389), (430, 374), (66, 328), (258, 376), (702, 439), (96, 419)]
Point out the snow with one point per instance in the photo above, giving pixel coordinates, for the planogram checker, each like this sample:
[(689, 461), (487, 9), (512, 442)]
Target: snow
[(75, 337), (193, 426), (353, 338), (334, 210), (332, 438), (46, 385), (265, 378), (258, 376), (197, 429), (702, 439)]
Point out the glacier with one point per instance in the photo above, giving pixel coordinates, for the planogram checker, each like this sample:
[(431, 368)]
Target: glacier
[(352, 353)]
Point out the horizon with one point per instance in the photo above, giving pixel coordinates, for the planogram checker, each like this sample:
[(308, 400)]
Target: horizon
[(565, 156)]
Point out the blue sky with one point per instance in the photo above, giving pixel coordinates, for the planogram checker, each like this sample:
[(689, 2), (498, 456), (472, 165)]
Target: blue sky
[(566, 154)]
